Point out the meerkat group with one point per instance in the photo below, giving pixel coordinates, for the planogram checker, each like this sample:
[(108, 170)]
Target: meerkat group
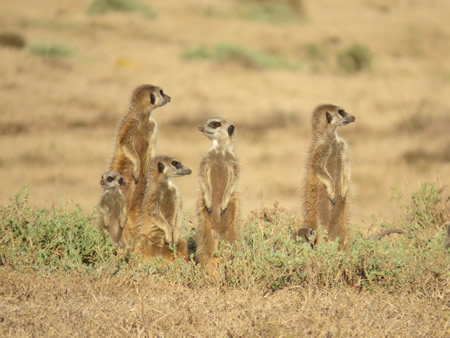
[(141, 208)]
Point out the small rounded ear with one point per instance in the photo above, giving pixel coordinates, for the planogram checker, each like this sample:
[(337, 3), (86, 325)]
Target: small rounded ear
[(230, 130), (152, 98), (160, 167), (329, 117)]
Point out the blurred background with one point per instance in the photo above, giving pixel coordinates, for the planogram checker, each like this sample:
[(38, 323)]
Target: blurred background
[(68, 68)]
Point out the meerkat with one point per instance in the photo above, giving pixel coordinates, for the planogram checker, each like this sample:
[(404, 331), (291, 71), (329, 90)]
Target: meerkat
[(112, 210), (307, 234), (135, 141), (218, 206), (328, 174), (159, 222)]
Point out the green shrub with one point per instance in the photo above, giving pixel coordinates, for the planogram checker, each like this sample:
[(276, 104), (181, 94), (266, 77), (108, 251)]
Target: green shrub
[(272, 11), (51, 50), (354, 59), (50, 239), (248, 58), (104, 6), (267, 257)]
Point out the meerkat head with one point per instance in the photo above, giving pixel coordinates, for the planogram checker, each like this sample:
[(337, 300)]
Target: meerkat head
[(112, 179), (219, 130), (170, 167), (328, 115), (145, 98)]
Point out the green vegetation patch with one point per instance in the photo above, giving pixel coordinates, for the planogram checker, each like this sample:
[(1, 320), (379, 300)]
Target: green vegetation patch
[(238, 54), (60, 238), (266, 258), (51, 50), (355, 58), (103, 6), (272, 11)]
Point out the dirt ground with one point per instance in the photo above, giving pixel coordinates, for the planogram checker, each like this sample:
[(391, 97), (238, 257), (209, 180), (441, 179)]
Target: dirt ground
[(69, 305), (59, 115)]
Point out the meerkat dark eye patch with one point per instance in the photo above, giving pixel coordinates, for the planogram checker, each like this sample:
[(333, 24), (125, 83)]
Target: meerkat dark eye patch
[(329, 117), (230, 130), (215, 124), (161, 92), (121, 181), (176, 164), (341, 112), (110, 179), (160, 167), (152, 98)]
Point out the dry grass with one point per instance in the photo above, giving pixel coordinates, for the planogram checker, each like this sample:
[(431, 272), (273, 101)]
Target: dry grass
[(74, 305), (59, 276)]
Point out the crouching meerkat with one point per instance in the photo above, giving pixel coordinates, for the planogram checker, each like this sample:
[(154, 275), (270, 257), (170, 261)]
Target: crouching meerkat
[(135, 139), (328, 174), (112, 212), (218, 206), (160, 219)]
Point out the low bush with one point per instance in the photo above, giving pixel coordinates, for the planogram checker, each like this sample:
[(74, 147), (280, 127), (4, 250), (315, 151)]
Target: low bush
[(51, 50), (238, 54), (267, 257), (104, 6), (354, 59)]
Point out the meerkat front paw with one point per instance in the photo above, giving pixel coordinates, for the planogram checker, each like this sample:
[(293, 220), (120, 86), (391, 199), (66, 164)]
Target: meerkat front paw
[(222, 211), (332, 197), (168, 238), (135, 178), (208, 209)]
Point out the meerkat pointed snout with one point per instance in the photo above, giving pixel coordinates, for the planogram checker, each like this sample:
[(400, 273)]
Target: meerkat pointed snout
[(219, 130), (218, 206), (173, 168)]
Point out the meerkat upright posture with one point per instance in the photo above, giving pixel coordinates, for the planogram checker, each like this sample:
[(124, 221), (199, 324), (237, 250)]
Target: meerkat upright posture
[(135, 147), (328, 174), (136, 138), (112, 210), (160, 215), (218, 206)]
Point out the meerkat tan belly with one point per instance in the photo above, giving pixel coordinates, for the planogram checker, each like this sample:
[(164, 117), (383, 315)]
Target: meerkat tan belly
[(135, 138), (159, 217), (112, 213), (218, 206), (327, 174)]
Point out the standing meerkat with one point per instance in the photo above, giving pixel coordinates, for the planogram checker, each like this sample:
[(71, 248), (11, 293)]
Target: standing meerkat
[(136, 139), (160, 215), (112, 212), (328, 174), (218, 206)]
